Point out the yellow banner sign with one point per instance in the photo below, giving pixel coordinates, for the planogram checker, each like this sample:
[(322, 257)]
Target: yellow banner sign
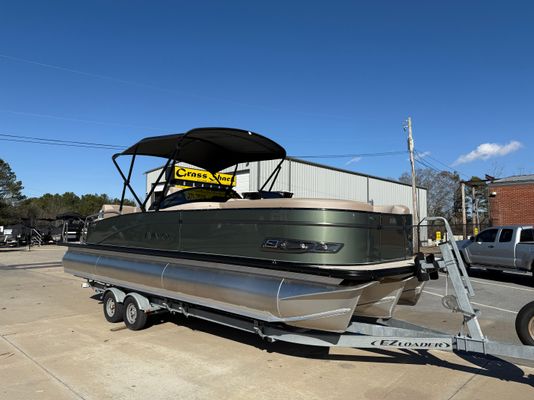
[(199, 175)]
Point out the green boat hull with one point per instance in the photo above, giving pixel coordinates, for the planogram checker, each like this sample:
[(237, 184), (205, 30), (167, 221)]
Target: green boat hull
[(365, 237)]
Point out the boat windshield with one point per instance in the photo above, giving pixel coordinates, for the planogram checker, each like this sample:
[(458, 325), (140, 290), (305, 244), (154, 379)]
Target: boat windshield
[(196, 194)]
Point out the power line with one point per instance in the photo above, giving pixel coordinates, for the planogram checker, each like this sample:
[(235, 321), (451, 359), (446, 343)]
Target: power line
[(385, 153), (439, 162), (79, 72), (62, 141), (89, 121), (424, 164), (57, 142), (422, 155), (429, 165), (72, 143), (162, 89), (419, 158)]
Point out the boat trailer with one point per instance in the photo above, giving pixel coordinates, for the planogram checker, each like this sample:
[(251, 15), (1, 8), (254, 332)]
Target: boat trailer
[(380, 334)]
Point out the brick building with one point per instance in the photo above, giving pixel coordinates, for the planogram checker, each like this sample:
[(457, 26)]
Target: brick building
[(512, 200)]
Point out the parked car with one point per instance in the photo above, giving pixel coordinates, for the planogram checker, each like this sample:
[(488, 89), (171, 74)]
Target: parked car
[(10, 240), (501, 248)]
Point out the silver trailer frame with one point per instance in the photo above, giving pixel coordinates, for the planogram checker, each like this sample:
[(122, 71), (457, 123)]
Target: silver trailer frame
[(390, 334)]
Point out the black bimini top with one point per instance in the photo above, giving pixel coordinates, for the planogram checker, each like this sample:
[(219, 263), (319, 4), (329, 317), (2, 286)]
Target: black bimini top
[(212, 149)]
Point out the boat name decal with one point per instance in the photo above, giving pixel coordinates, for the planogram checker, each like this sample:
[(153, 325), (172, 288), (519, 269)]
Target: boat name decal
[(427, 343), (199, 175), (158, 236), (300, 246)]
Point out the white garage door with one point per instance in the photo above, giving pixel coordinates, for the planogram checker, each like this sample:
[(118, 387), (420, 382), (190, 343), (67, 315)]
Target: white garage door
[(242, 184)]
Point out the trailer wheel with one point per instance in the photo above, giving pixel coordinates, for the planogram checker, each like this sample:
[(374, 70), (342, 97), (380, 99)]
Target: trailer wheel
[(524, 324), (113, 310), (134, 317)]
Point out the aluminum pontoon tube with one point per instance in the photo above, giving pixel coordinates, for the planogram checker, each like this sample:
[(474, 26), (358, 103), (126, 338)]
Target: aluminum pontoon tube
[(300, 300)]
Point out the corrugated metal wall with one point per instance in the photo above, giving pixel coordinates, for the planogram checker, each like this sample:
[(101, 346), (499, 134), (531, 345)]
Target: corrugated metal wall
[(313, 181), (422, 200), (384, 192), (308, 180)]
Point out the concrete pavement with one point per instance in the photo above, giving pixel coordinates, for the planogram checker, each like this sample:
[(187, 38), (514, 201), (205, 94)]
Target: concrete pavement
[(56, 344)]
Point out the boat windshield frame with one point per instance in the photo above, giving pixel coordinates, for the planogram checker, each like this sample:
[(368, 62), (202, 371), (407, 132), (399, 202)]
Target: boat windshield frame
[(243, 146)]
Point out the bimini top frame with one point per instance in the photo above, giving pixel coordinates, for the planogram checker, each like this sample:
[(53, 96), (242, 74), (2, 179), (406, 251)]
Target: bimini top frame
[(212, 149)]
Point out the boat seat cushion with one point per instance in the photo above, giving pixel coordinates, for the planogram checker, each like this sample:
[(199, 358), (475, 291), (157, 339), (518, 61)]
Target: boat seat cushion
[(111, 210), (290, 203)]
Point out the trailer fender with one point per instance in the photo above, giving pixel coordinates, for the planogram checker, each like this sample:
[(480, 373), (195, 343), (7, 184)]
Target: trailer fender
[(143, 303), (119, 294)]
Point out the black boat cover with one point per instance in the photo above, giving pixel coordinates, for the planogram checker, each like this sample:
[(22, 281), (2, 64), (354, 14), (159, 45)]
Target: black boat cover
[(213, 149)]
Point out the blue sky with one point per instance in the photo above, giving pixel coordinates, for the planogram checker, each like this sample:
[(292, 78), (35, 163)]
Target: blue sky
[(318, 77)]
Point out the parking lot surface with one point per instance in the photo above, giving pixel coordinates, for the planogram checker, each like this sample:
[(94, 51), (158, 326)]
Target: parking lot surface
[(56, 344)]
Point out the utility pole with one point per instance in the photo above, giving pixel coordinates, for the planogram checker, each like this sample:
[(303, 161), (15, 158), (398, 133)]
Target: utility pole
[(464, 216), (474, 211), (414, 188)]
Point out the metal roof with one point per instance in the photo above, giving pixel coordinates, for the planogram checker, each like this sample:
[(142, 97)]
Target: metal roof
[(515, 179)]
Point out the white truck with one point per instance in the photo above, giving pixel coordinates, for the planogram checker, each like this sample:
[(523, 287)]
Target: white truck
[(504, 248)]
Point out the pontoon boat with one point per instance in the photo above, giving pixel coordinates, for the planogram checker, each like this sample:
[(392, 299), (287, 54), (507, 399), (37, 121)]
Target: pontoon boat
[(310, 263)]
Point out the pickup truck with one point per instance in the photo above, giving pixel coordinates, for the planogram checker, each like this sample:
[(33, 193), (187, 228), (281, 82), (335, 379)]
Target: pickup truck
[(501, 247)]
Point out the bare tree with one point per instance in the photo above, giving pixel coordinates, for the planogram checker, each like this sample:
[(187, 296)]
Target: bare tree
[(443, 191)]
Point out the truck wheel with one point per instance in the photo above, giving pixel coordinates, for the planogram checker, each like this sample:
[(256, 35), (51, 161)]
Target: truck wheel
[(524, 324), (112, 308), (134, 318)]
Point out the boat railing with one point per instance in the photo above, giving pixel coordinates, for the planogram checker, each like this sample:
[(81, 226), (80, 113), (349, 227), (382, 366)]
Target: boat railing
[(36, 237)]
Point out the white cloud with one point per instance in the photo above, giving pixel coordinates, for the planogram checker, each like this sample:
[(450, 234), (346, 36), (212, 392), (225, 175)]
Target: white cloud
[(353, 160), (488, 150), (424, 154)]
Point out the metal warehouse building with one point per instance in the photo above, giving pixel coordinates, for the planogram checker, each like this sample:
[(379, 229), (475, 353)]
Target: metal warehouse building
[(311, 180)]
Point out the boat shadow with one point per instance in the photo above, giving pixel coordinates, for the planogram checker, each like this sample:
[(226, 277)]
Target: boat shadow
[(35, 265), (482, 365)]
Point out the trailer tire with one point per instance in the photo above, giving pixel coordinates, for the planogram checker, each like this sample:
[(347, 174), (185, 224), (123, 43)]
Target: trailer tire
[(524, 324), (134, 318), (113, 310)]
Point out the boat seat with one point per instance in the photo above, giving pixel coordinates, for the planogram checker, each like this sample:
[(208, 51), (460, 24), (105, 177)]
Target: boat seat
[(111, 210), (331, 204), (298, 203), (394, 209), (290, 203), (197, 205)]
